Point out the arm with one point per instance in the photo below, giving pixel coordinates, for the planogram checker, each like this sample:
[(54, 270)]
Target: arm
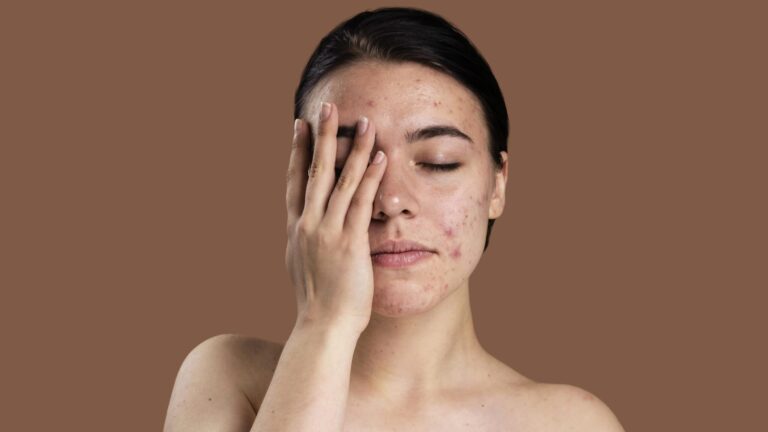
[(310, 385), (328, 258)]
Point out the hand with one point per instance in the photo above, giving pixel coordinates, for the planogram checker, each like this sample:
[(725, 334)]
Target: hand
[(328, 254)]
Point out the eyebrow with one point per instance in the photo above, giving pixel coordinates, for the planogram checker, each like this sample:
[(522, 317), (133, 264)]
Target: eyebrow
[(415, 135)]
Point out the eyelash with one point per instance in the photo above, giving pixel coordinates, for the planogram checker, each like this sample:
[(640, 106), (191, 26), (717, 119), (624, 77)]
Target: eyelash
[(441, 167)]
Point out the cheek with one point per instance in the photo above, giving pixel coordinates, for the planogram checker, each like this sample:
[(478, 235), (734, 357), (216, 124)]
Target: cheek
[(462, 227)]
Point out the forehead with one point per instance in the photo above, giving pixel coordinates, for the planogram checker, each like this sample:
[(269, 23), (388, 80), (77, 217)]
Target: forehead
[(399, 96)]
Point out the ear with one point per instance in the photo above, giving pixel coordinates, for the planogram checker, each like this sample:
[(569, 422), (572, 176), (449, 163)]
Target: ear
[(496, 207)]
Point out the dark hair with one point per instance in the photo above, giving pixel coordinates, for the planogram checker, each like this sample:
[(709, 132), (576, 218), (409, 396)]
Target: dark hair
[(411, 35)]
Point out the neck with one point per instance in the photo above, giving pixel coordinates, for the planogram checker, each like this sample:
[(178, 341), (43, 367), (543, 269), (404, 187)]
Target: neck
[(416, 356)]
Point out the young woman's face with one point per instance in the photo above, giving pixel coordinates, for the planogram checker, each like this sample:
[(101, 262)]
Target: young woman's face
[(445, 210)]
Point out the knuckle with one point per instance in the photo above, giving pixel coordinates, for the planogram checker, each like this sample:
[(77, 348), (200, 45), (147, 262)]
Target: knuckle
[(343, 182), (314, 169), (356, 201), (303, 228)]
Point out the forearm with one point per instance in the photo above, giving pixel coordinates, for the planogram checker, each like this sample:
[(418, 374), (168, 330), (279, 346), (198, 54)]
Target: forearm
[(310, 385)]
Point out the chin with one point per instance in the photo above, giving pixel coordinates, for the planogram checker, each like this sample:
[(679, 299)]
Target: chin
[(397, 299)]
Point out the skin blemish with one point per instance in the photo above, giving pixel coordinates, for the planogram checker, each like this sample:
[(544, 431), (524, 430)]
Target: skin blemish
[(456, 253), (370, 103), (449, 232)]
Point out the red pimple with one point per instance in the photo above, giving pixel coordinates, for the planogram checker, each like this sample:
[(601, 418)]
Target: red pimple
[(456, 253)]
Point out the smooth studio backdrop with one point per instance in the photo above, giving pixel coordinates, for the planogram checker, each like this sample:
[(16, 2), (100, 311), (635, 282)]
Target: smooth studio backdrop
[(144, 149)]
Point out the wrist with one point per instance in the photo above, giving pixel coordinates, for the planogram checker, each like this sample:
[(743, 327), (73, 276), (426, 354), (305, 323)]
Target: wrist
[(335, 328)]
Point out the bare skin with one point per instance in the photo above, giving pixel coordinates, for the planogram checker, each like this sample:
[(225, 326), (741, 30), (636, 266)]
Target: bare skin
[(415, 362)]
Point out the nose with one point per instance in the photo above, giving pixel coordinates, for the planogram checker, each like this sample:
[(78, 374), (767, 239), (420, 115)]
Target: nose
[(395, 195)]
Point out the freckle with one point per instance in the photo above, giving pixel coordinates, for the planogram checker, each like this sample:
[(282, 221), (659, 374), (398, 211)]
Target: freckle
[(209, 398)]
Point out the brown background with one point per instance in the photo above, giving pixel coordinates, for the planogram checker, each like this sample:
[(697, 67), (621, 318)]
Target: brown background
[(143, 156)]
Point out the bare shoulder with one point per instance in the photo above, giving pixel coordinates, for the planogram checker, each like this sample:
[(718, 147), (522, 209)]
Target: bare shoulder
[(220, 383), (568, 407)]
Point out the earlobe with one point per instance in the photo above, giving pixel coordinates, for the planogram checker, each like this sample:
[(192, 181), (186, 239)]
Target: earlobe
[(500, 183)]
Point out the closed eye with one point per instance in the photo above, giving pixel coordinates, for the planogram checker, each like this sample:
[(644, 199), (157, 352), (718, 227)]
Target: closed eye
[(441, 167)]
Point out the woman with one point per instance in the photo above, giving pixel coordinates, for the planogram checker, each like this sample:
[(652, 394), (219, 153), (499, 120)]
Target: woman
[(411, 118)]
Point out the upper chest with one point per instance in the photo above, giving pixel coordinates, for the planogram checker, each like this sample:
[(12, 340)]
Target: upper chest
[(477, 413)]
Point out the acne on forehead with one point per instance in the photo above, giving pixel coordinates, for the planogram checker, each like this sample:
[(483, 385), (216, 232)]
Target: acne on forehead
[(394, 76)]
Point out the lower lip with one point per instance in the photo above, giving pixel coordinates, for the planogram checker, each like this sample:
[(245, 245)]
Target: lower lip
[(401, 259)]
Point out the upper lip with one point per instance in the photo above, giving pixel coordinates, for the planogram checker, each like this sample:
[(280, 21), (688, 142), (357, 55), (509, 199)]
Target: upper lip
[(398, 246)]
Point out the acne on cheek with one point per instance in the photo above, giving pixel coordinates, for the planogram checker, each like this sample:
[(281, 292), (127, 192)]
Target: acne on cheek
[(456, 252), (462, 222)]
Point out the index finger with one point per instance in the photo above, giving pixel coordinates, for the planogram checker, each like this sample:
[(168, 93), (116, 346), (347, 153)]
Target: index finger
[(296, 178)]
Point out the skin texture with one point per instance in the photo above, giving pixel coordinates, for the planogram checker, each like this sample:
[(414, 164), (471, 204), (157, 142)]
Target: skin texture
[(444, 210)]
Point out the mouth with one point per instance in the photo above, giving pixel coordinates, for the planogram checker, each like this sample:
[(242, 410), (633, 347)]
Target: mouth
[(400, 253)]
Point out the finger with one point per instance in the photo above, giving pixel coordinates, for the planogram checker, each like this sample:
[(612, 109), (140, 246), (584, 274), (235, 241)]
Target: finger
[(361, 206), (296, 178), (351, 174), (321, 175)]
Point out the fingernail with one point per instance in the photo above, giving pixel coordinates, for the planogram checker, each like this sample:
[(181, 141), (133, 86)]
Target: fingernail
[(379, 157), (325, 111), (296, 126), (362, 125)]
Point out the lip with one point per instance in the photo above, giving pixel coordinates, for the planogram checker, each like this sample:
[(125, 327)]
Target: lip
[(401, 259), (399, 246), (400, 253)]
